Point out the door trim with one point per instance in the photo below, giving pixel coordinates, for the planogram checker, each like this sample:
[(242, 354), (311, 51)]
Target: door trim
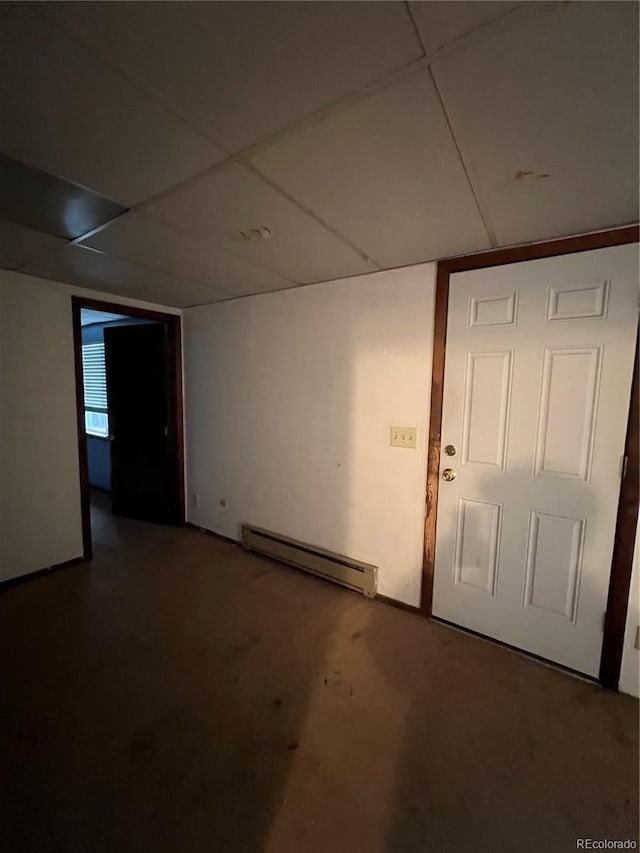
[(618, 599), (176, 425), (623, 547)]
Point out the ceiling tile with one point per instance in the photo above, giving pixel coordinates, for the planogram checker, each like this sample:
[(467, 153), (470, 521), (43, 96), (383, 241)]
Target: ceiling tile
[(216, 207), (66, 112), (386, 174), (547, 114), (442, 22), (35, 199), (240, 71), (147, 241), (88, 268), (18, 244)]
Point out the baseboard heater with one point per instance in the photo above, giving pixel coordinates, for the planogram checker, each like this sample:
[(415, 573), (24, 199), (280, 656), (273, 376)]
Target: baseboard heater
[(353, 574)]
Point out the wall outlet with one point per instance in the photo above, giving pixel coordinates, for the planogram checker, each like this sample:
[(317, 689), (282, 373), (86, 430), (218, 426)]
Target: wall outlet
[(195, 500), (403, 436)]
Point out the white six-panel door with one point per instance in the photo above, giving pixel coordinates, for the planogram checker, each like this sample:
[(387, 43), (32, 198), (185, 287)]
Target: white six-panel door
[(539, 362)]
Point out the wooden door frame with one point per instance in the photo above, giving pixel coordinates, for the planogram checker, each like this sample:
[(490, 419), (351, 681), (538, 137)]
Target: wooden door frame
[(622, 561), (176, 426)]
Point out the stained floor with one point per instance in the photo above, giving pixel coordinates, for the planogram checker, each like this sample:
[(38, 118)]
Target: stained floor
[(178, 694)]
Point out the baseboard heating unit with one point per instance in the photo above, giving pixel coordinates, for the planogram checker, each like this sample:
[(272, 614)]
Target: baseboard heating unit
[(353, 574)]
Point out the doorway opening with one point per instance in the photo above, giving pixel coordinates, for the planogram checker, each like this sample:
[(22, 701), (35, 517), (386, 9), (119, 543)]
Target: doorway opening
[(128, 370)]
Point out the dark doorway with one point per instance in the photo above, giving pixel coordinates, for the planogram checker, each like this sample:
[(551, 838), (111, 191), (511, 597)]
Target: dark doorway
[(143, 475), (129, 399)]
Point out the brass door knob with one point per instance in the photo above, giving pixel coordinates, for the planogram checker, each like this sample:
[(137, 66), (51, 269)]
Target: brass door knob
[(450, 450), (448, 474)]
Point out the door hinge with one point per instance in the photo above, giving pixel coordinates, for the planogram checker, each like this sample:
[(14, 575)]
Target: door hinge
[(166, 432), (623, 474)]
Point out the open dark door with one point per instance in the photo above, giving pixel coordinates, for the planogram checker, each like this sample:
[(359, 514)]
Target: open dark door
[(143, 472)]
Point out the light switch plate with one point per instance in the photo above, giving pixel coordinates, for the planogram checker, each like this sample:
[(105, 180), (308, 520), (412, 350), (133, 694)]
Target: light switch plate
[(403, 436)]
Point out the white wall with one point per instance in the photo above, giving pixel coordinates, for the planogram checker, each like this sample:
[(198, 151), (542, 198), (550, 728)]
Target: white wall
[(40, 520), (630, 673), (39, 499), (289, 400)]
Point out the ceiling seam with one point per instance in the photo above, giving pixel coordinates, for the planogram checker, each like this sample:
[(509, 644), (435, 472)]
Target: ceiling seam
[(326, 281), (258, 174), (151, 268), (504, 21), (345, 102), (484, 216), (410, 15), (231, 156), (341, 104), (490, 24), (414, 66), (77, 241), (402, 266), (390, 78), (170, 226), (38, 8), (188, 234)]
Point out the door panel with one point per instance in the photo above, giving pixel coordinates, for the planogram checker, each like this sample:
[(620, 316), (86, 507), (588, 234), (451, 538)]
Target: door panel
[(554, 556), (143, 475), (538, 371), (486, 404), (567, 416), (477, 538)]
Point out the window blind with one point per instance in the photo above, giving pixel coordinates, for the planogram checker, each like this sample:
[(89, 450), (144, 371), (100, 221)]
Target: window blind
[(95, 380)]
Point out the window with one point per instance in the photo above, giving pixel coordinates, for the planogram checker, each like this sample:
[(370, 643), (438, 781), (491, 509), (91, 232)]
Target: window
[(96, 417)]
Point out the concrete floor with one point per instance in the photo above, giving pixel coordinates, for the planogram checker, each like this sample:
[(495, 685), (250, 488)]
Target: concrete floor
[(177, 694)]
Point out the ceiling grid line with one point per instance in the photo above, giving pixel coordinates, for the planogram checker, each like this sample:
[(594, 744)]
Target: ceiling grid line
[(410, 15), (340, 105), (402, 72), (231, 156), (529, 6), (344, 102), (152, 268), (274, 186), (169, 225), (242, 156), (486, 221), (81, 242), (40, 9), (306, 285), (471, 132), (491, 234)]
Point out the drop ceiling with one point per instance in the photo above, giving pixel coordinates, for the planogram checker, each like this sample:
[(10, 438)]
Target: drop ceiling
[(249, 147)]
